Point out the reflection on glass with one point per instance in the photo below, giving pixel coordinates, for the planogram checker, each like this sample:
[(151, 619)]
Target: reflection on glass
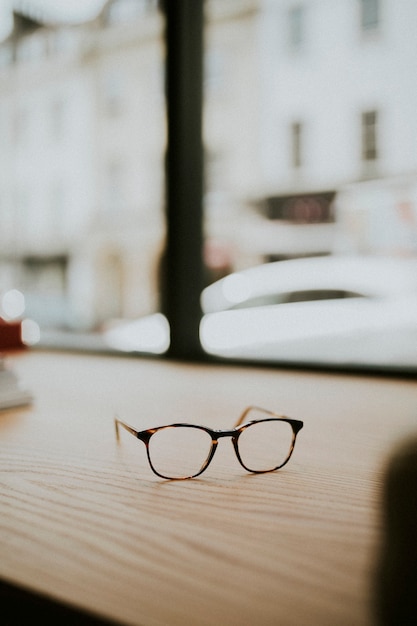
[(315, 201), (309, 155), (12, 304)]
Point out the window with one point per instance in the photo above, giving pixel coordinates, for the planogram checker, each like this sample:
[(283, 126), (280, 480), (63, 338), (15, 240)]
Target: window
[(296, 144), (369, 12), (113, 93), (57, 119), (115, 187), (21, 124), (285, 218), (55, 212), (296, 19), (44, 286), (369, 136)]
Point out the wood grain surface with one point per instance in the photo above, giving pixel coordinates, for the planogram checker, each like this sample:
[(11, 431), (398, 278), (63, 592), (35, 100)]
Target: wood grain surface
[(84, 520)]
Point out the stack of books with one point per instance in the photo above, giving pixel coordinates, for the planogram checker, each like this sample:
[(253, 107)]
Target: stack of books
[(12, 393)]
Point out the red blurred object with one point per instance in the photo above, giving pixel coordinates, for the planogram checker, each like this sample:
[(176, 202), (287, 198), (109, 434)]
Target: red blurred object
[(10, 335)]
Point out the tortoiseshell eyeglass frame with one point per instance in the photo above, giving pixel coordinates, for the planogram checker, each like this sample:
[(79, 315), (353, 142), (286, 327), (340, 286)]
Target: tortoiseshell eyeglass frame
[(234, 433)]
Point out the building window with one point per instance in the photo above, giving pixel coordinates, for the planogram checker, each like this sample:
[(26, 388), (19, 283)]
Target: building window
[(20, 124), (369, 15), (55, 215), (6, 55), (296, 131), (296, 19), (115, 186), (369, 136), (113, 93), (57, 119)]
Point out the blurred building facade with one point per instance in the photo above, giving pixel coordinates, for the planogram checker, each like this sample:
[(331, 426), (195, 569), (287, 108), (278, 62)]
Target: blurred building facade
[(82, 164), (309, 111), (338, 82)]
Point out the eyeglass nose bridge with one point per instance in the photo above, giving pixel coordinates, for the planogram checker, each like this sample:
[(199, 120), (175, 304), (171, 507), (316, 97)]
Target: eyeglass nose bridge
[(215, 436), (218, 434), (233, 434)]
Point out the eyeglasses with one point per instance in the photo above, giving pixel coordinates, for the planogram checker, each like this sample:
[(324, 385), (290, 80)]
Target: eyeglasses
[(264, 442)]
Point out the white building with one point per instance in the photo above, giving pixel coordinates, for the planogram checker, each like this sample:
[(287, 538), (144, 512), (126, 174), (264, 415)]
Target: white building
[(339, 91), (82, 165)]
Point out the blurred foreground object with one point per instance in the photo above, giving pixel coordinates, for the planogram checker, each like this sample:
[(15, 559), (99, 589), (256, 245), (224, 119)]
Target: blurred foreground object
[(11, 335), (12, 393), (16, 331), (396, 576)]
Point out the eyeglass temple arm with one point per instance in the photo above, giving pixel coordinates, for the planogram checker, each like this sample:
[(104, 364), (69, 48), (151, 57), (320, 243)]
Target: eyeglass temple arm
[(256, 408), (130, 429)]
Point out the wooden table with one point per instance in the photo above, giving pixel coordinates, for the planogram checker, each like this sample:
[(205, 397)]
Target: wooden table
[(85, 522)]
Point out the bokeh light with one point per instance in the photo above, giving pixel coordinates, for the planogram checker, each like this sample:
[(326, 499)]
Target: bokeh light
[(13, 304)]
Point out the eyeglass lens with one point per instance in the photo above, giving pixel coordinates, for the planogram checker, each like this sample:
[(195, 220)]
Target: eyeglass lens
[(180, 451), (265, 445)]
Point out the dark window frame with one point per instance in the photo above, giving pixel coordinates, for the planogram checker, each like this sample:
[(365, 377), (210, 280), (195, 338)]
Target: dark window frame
[(182, 266)]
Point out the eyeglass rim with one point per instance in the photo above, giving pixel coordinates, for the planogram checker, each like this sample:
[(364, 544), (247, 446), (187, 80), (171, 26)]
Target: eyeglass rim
[(152, 431), (296, 426)]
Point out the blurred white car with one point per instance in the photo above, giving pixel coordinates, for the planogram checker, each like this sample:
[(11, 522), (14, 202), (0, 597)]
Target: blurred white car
[(149, 334), (334, 309), (341, 309)]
